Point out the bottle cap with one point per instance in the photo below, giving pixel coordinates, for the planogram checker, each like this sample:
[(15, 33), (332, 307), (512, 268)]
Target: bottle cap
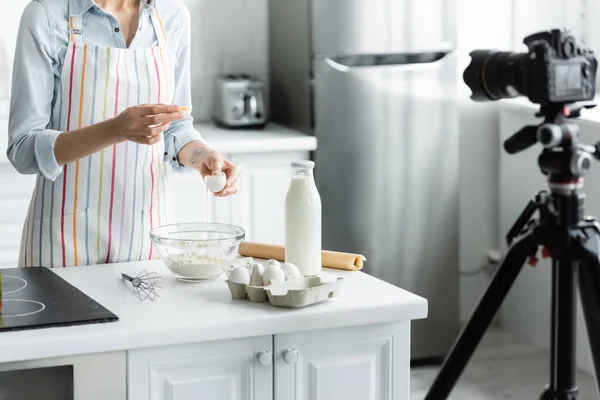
[(305, 164)]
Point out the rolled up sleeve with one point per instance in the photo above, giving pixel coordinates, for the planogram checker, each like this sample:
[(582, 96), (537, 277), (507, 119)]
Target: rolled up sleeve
[(30, 141), (181, 132)]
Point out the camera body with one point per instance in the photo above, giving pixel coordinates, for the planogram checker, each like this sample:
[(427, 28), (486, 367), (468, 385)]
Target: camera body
[(556, 69)]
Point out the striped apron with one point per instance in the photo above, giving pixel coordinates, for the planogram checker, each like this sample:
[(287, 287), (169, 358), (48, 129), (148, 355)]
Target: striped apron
[(101, 208)]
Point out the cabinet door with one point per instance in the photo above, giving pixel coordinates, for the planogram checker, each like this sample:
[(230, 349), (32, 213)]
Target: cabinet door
[(363, 363), (264, 182), (227, 370)]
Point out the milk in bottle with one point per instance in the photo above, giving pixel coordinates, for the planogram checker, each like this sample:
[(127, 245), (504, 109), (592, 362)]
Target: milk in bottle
[(303, 220)]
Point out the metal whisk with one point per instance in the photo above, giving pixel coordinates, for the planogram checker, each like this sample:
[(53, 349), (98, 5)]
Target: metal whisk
[(144, 285)]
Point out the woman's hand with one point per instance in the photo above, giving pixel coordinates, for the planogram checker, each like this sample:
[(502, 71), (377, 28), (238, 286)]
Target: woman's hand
[(144, 124), (209, 162), (141, 124)]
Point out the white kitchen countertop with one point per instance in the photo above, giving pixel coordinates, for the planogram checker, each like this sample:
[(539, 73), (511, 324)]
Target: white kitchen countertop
[(189, 313), (273, 138)]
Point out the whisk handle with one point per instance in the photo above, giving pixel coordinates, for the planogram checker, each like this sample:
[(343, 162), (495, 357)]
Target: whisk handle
[(127, 277)]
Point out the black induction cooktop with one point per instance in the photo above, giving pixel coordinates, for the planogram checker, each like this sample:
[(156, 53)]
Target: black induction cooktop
[(34, 298)]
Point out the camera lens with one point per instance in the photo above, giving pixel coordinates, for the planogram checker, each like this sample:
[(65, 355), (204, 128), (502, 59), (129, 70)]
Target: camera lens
[(493, 75)]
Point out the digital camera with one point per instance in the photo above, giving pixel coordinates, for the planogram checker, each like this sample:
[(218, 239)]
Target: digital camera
[(556, 69)]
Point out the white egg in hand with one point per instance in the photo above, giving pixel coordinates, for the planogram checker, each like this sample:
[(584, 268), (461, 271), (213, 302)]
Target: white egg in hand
[(273, 274), (240, 275), (290, 271), (215, 183)]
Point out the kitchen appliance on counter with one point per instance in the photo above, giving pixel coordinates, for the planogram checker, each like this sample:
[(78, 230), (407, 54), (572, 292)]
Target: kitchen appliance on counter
[(376, 81), (38, 298), (239, 101)]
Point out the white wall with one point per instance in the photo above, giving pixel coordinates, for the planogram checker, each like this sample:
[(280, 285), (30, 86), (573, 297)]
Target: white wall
[(227, 36)]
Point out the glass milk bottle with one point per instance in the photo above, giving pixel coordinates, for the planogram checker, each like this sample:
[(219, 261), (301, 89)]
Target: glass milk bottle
[(303, 220)]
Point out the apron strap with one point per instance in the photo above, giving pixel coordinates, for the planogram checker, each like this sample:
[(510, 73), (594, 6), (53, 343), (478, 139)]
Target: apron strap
[(76, 28), (159, 28)]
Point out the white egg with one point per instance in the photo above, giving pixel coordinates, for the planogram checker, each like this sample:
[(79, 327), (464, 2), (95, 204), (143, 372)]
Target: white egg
[(257, 275), (215, 183), (273, 273), (290, 271), (272, 262), (240, 275)]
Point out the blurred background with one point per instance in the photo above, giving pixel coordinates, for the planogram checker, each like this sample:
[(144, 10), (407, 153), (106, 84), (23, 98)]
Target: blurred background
[(451, 191)]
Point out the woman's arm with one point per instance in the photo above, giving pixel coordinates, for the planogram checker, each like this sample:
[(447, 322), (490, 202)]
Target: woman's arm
[(184, 145), (181, 132), (30, 142), (139, 124)]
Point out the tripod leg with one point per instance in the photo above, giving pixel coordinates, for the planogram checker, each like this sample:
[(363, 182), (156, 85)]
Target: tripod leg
[(562, 336), (589, 291), (471, 335)]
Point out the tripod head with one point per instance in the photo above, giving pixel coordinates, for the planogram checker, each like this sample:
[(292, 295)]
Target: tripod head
[(565, 160)]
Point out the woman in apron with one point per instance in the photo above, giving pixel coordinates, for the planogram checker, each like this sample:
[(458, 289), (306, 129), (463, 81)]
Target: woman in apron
[(95, 113)]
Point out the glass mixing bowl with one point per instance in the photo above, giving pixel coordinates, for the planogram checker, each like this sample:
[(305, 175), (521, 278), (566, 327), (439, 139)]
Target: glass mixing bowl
[(197, 251)]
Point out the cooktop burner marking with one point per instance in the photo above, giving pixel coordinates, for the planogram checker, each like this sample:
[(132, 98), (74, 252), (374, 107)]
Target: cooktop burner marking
[(20, 281), (32, 304)]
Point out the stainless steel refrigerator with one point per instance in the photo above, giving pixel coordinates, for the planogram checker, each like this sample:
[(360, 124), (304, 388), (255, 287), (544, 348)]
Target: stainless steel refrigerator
[(376, 82)]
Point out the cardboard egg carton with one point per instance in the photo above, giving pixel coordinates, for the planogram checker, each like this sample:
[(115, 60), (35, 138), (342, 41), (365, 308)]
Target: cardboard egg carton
[(293, 293)]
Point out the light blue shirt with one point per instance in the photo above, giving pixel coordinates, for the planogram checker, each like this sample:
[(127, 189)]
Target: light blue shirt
[(40, 52)]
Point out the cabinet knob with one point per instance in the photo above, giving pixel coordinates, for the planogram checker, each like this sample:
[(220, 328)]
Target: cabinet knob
[(264, 358), (290, 356)]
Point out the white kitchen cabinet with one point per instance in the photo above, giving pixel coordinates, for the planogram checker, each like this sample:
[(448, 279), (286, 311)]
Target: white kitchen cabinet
[(259, 205), (357, 363), (362, 363), (228, 370)]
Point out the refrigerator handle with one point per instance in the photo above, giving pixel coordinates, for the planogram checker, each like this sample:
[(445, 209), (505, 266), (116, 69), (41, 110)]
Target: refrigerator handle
[(344, 63)]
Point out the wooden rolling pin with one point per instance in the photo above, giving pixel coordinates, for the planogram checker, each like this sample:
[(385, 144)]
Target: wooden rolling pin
[(330, 259)]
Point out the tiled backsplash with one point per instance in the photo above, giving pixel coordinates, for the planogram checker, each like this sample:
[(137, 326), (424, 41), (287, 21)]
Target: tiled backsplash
[(227, 36)]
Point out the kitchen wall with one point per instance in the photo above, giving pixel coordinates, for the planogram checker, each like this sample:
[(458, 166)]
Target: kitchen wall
[(227, 36)]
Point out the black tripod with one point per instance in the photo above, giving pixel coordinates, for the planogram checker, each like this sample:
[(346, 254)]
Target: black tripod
[(564, 234)]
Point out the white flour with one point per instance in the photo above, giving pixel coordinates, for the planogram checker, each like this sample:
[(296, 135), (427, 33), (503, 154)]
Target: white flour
[(195, 265)]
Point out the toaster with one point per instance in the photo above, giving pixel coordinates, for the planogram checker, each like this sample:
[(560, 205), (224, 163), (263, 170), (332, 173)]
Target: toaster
[(239, 102)]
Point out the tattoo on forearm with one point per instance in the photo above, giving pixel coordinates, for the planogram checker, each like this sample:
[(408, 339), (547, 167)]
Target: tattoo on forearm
[(195, 156)]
